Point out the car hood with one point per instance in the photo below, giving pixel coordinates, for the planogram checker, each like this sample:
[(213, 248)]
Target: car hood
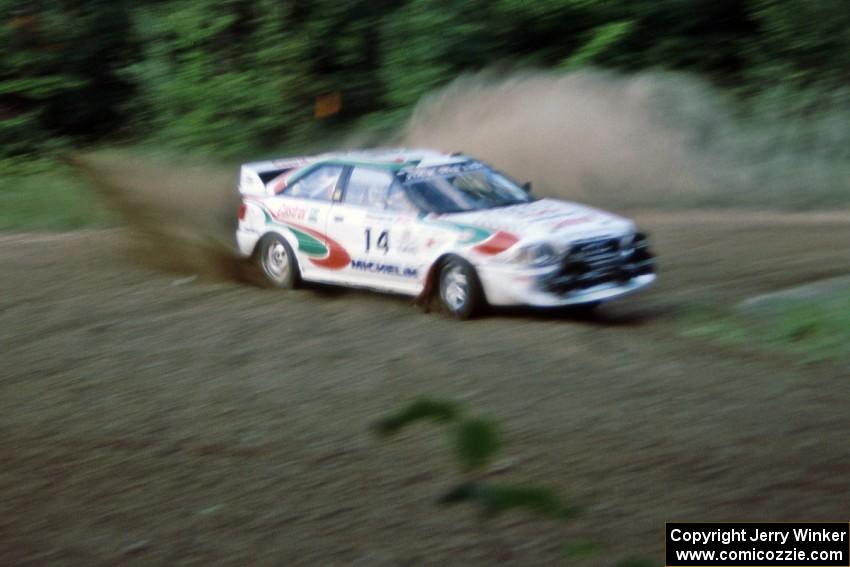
[(546, 219)]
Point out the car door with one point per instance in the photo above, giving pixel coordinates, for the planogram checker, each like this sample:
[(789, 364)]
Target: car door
[(302, 209), (373, 228)]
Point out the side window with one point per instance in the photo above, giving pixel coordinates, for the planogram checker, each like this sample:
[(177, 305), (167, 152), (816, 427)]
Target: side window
[(368, 187), (397, 199), (318, 184)]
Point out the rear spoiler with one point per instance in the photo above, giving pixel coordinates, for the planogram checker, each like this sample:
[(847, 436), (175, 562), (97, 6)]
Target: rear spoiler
[(257, 178)]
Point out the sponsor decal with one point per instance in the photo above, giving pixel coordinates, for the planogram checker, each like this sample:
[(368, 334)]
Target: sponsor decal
[(572, 221), (382, 268), (407, 242), (533, 212), (498, 242), (470, 234), (446, 169), (484, 241), (380, 217), (321, 250), (335, 256), (540, 213), (288, 212)]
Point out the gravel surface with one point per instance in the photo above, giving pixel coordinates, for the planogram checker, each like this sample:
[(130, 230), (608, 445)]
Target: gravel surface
[(149, 417)]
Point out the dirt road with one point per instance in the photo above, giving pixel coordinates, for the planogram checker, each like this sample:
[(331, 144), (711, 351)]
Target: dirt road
[(148, 419)]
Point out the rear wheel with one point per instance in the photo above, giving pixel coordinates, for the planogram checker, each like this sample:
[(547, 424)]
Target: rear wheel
[(460, 289), (280, 267)]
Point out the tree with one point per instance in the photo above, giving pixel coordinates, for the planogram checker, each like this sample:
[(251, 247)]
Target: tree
[(58, 66)]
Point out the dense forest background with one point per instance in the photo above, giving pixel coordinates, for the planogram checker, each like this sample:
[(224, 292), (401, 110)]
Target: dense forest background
[(234, 76)]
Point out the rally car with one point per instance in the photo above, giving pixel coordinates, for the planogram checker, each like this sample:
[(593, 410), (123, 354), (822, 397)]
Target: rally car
[(429, 224)]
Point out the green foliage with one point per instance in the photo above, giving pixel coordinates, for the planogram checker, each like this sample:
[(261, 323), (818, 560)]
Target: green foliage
[(424, 409), (476, 440), (21, 134), (202, 87), (58, 63), (604, 39), (238, 77), (580, 549), (426, 43), (804, 43), (45, 195), (813, 330), (497, 498)]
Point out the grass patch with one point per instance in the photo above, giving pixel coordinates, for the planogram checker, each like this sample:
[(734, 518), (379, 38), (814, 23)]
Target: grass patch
[(45, 195), (814, 329)]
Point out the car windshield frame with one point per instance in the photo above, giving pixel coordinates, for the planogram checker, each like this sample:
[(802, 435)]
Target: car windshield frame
[(461, 188)]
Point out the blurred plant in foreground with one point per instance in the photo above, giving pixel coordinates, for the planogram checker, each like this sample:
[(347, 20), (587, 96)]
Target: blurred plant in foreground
[(475, 441)]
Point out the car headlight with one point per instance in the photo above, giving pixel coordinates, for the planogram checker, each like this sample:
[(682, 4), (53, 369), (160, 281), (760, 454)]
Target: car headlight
[(536, 255)]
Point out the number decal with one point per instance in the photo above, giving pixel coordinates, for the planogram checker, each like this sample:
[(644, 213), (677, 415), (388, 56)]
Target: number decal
[(383, 242)]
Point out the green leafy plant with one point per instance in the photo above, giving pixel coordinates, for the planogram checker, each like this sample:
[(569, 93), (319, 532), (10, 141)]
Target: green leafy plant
[(603, 39), (475, 441), (425, 408)]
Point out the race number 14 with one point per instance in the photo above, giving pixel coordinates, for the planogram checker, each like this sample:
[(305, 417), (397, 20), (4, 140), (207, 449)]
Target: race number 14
[(382, 243)]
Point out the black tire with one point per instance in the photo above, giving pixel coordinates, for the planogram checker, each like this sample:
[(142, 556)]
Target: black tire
[(459, 289), (278, 262)]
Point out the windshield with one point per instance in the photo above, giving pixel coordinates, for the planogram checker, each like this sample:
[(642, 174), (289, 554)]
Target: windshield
[(453, 190)]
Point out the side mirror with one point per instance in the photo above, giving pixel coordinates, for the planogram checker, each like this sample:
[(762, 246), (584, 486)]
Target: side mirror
[(526, 186)]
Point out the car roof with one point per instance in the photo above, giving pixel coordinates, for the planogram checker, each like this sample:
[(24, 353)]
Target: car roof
[(255, 176), (389, 158)]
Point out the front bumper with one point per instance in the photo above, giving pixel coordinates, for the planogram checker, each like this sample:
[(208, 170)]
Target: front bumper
[(523, 287), (587, 275)]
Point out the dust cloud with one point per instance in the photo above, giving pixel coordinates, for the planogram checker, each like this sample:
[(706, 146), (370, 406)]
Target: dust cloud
[(617, 141), (179, 219), (652, 140)]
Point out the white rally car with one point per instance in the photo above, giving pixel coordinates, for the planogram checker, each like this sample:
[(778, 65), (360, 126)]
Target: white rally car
[(418, 222)]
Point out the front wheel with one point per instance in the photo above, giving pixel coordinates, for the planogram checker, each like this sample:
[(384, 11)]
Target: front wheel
[(460, 289), (280, 267)]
